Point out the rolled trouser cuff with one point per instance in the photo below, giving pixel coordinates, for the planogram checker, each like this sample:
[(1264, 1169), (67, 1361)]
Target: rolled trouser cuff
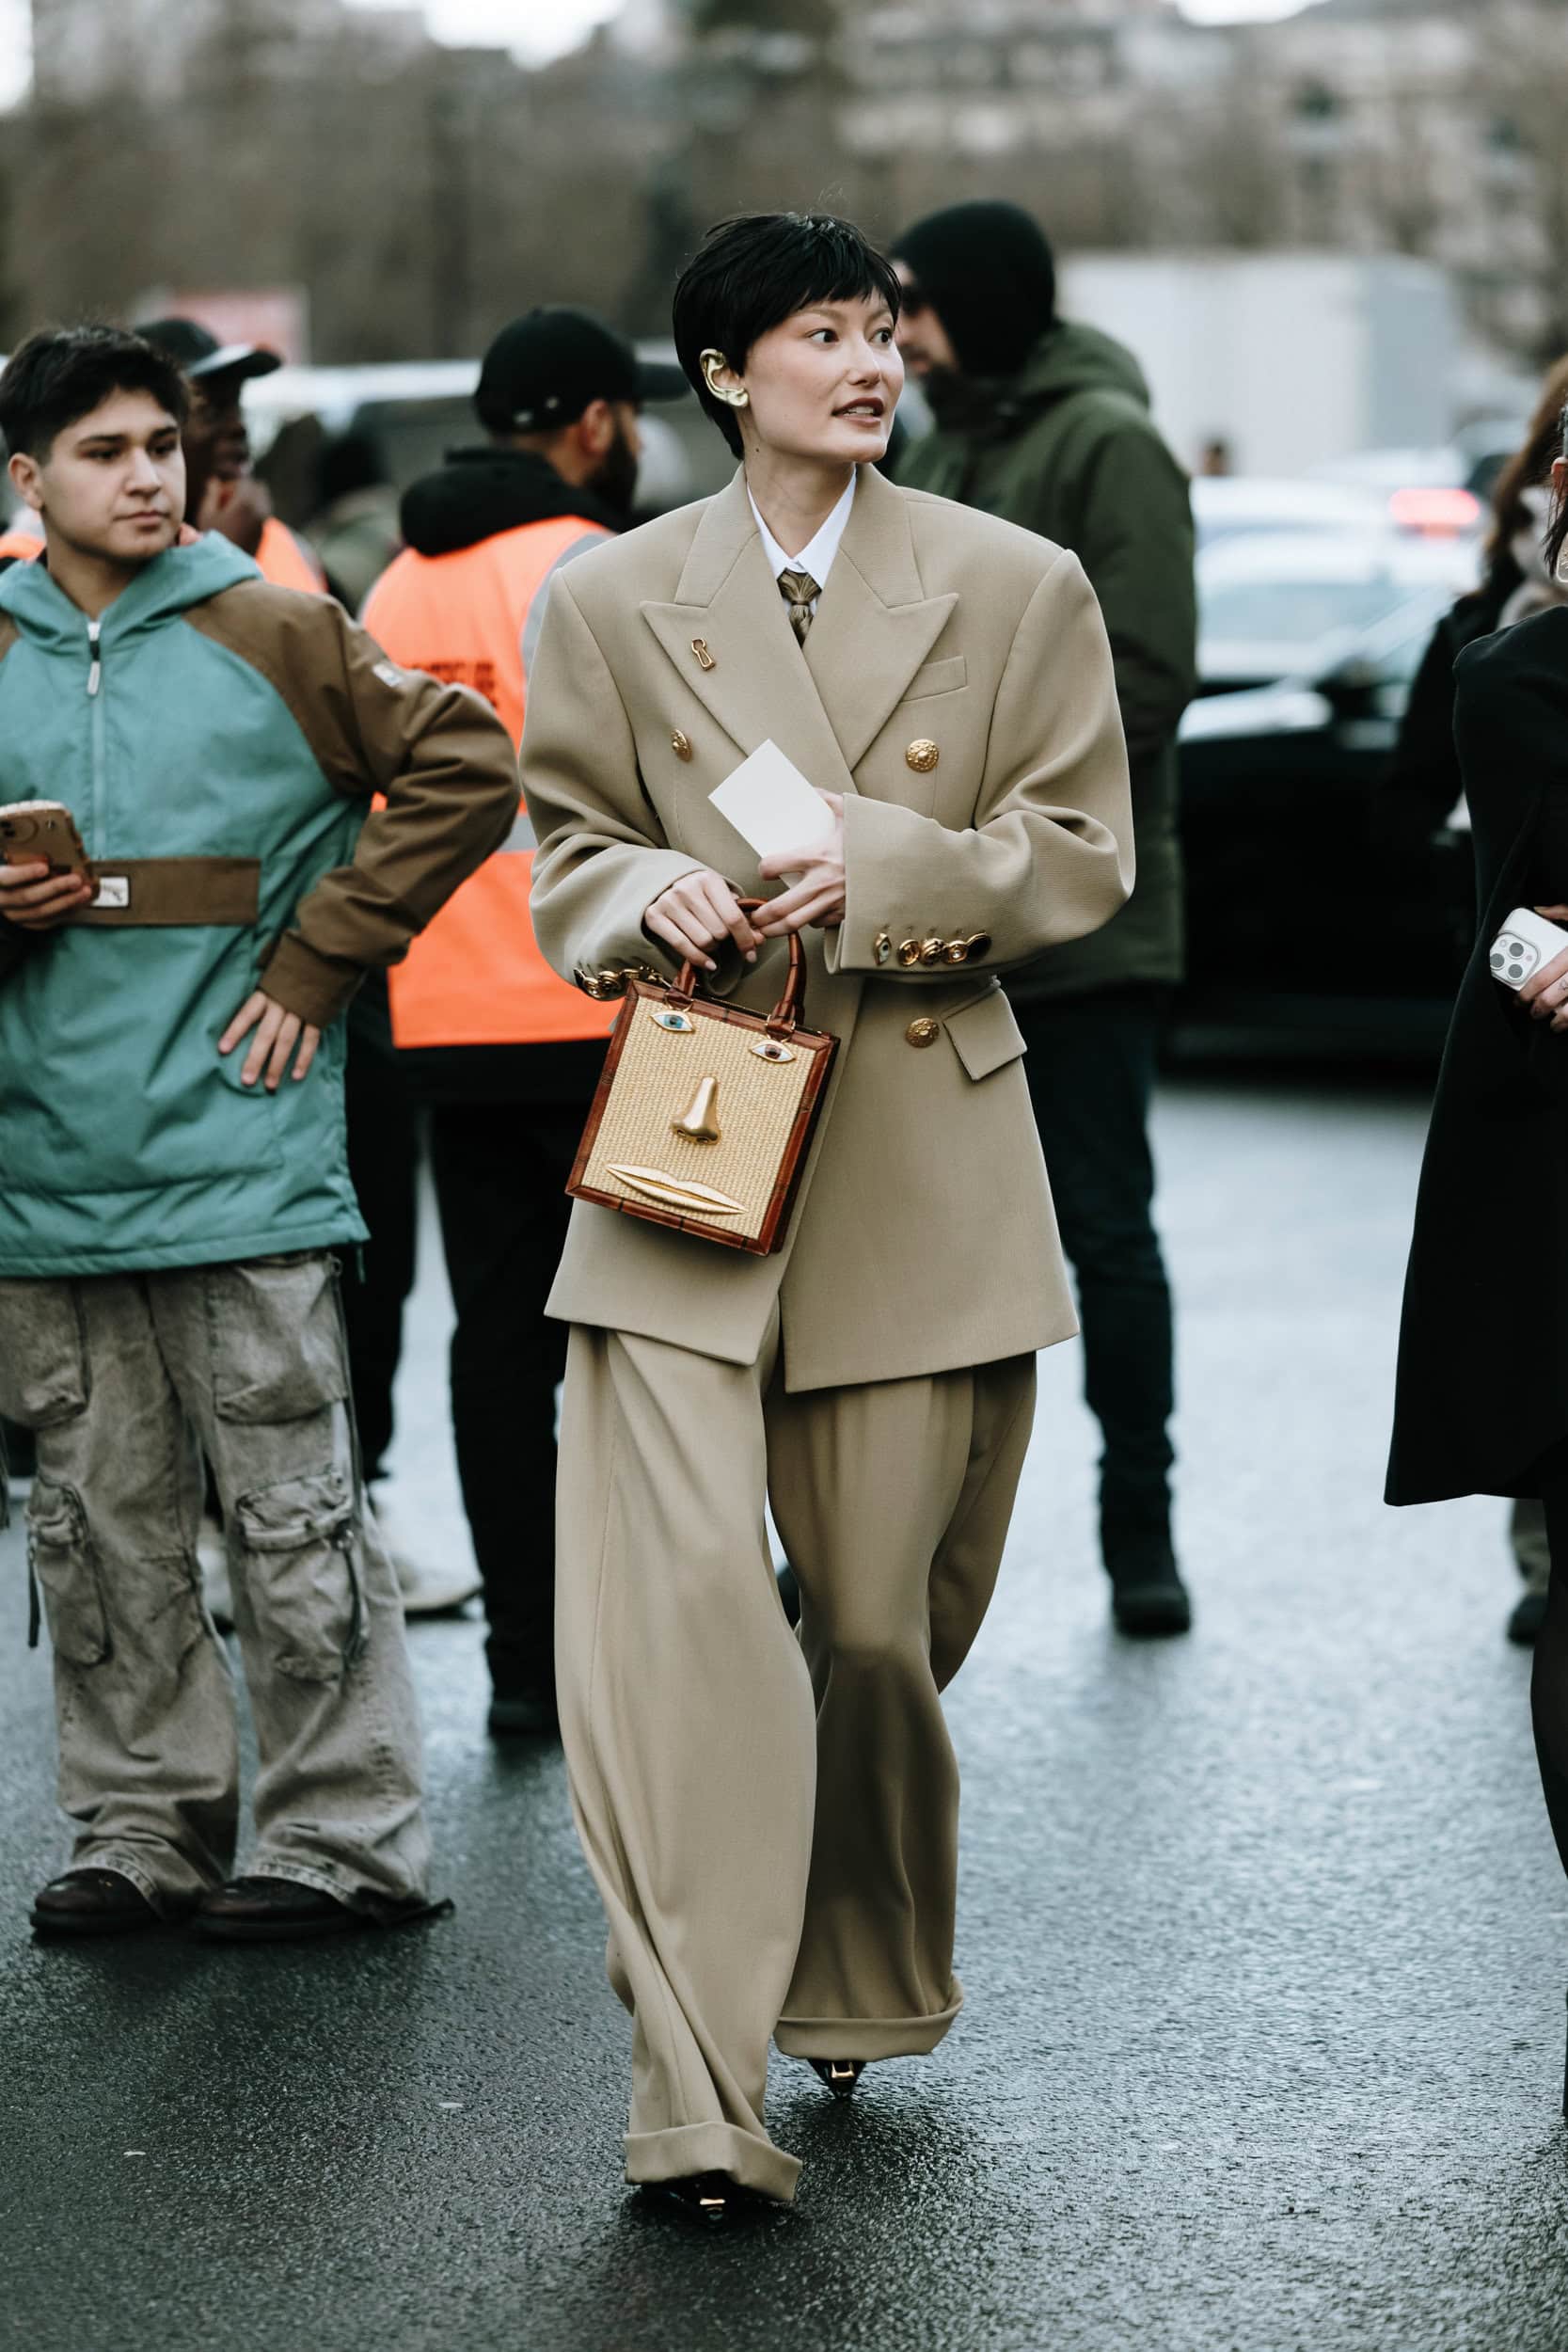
[(691, 2148), (169, 1902), (865, 2037)]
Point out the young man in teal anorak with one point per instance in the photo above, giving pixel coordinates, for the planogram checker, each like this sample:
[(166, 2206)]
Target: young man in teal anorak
[(175, 1183)]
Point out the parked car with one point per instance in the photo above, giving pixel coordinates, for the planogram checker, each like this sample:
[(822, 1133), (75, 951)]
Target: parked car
[(1290, 604), (1297, 926), (414, 411)]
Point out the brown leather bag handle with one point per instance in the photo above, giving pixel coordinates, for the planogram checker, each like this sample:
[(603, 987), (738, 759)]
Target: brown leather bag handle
[(792, 1004)]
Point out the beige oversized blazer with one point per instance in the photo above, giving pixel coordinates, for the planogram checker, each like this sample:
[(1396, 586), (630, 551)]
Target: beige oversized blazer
[(924, 1239)]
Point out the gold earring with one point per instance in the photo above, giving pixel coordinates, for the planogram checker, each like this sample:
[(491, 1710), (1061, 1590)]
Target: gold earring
[(711, 362)]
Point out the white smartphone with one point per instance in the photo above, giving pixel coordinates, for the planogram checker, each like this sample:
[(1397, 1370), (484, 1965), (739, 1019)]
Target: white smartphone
[(1526, 942)]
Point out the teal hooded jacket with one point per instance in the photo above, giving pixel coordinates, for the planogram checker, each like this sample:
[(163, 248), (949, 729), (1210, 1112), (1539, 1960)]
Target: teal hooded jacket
[(218, 742)]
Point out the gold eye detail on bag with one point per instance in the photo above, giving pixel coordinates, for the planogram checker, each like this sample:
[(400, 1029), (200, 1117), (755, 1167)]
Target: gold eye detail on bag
[(665, 1017), (769, 1049)]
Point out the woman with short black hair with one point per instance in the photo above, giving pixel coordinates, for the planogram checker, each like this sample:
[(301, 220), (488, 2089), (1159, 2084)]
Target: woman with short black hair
[(772, 1825)]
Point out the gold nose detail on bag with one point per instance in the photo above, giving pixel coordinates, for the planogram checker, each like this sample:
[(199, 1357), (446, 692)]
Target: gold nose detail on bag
[(923, 755), (699, 646), (699, 1121)]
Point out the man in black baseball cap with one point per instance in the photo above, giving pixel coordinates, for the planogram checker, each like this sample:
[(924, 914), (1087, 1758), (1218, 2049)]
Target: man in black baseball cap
[(216, 444), (546, 373), (503, 1055)]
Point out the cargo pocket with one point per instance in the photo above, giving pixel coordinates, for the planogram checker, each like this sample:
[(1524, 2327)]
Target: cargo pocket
[(277, 1338), (44, 1355), (64, 1568), (296, 1545)]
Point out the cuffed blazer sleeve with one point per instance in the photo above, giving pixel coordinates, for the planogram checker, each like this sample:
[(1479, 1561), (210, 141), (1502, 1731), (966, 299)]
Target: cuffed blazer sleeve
[(1049, 855), (599, 865)]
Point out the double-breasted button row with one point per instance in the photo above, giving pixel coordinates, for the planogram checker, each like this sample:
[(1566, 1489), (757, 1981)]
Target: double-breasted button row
[(931, 951)]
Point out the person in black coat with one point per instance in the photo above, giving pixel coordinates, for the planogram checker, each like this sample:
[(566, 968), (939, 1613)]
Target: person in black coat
[(1422, 784), (1482, 1402)]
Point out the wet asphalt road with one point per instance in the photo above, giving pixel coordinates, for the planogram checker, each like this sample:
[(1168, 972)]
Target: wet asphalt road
[(1263, 1939)]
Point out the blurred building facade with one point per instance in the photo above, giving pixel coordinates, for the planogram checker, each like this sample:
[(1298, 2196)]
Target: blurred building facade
[(421, 192)]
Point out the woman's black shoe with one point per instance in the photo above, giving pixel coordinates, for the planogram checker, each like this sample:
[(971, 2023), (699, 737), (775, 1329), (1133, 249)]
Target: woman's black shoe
[(1528, 1615), (840, 2075), (707, 2200)]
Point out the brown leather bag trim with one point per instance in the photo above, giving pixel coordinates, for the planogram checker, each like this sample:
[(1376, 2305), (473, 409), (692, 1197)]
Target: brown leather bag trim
[(775, 1226), (167, 891)]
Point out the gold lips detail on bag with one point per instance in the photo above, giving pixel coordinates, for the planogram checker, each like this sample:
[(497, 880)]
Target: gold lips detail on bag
[(701, 1199)]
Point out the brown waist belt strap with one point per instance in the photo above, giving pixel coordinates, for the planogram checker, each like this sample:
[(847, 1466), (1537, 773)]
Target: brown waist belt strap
[(169, 890)]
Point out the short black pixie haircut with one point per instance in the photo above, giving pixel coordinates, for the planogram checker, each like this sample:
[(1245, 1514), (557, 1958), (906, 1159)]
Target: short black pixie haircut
[(749, 274), (63, 373)]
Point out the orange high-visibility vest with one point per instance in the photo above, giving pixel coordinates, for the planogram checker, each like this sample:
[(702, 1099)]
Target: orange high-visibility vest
[(20, 545), (286, 561), (475, 975)]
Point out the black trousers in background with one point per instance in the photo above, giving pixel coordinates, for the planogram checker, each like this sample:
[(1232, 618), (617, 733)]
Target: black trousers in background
[(1090, 1066), (384, 1164), (500, 1170)]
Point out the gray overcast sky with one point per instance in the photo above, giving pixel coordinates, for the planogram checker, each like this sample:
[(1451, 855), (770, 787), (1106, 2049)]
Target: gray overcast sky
[(536, 28)]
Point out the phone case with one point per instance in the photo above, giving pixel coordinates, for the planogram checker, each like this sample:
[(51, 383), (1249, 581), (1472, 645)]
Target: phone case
[(31, 830), (1526, 942)]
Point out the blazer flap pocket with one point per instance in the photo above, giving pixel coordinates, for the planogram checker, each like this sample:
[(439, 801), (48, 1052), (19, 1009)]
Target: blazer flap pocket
[(937, 677), (984, 1034)]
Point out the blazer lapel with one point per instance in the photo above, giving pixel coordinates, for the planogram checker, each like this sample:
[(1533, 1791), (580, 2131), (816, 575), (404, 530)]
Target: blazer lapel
[(875, 624), (757, 687)]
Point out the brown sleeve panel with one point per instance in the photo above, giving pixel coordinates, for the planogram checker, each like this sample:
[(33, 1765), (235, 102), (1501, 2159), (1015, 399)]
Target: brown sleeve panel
[(436, 753)]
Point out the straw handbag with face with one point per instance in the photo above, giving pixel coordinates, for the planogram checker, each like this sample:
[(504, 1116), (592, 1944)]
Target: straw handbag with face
[(704, 1113)]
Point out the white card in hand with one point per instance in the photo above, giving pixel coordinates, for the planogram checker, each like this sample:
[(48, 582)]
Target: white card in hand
[(772, 806)]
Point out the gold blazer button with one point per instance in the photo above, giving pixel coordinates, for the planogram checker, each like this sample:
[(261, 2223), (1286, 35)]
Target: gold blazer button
[(956, 951), (922, 1032), (923, 755), (680, 745), (908, 952), (978, 944), (931, 951)]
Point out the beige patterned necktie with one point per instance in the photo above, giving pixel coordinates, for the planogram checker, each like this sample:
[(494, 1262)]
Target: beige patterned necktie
[(799, 592)]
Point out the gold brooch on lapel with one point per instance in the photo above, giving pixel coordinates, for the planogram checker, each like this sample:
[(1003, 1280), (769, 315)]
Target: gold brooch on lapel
[(923, 755), (699, 646)]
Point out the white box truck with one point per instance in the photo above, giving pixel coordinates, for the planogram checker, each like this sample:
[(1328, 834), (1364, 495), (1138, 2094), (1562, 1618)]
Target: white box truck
[(1292, 359)]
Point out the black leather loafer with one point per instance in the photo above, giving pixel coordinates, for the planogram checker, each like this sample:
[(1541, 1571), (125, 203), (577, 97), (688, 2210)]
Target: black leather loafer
[(528, 1714), (91, 1902), (1149, 1597), (273, 1911)]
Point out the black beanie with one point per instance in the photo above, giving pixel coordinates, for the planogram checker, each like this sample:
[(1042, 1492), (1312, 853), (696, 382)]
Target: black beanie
[(989, 276)]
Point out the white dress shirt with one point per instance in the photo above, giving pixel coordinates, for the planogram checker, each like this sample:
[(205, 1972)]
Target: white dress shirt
[(817, 556)]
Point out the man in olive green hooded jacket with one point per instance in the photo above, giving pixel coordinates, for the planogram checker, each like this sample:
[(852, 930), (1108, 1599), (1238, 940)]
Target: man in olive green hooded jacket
[(1048, 424)]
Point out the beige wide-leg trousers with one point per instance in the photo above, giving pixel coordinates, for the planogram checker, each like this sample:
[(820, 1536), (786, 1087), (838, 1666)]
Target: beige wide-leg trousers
[(772, 1822)]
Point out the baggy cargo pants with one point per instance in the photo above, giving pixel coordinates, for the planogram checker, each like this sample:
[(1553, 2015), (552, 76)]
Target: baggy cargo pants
[(127, 1380)]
